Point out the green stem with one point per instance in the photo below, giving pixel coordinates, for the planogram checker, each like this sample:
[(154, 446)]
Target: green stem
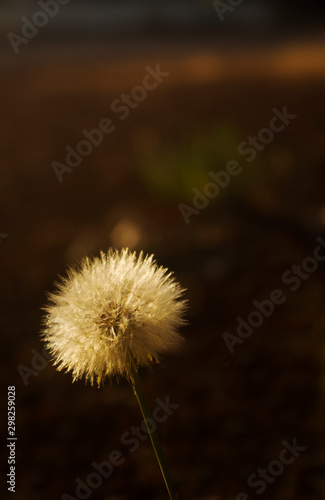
[(138, 391)]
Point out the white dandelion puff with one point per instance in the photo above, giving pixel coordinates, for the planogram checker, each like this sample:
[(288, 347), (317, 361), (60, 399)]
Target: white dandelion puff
[(114, 310)]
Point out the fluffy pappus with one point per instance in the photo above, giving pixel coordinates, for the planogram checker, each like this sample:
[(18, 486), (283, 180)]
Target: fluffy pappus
[(111, 311)]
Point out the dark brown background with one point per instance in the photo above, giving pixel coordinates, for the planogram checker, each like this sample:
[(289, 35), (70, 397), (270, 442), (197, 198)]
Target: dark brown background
[(235, 410)]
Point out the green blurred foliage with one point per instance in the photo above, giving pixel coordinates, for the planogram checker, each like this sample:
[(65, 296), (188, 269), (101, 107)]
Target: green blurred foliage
[(177, 168), (277, 178)]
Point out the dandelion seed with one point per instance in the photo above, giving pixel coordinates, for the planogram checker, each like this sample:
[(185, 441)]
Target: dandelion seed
[(113, 309)]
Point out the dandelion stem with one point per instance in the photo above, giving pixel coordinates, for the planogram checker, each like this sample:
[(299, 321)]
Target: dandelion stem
[(139, 393)]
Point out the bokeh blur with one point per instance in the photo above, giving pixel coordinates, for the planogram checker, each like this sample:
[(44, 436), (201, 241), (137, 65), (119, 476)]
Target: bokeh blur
[(113, 116)]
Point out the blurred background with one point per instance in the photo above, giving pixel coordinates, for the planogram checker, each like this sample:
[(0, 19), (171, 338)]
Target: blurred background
[(227, 70)]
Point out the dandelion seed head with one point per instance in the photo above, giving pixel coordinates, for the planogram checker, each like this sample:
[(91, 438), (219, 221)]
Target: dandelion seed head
[(111, 310)]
